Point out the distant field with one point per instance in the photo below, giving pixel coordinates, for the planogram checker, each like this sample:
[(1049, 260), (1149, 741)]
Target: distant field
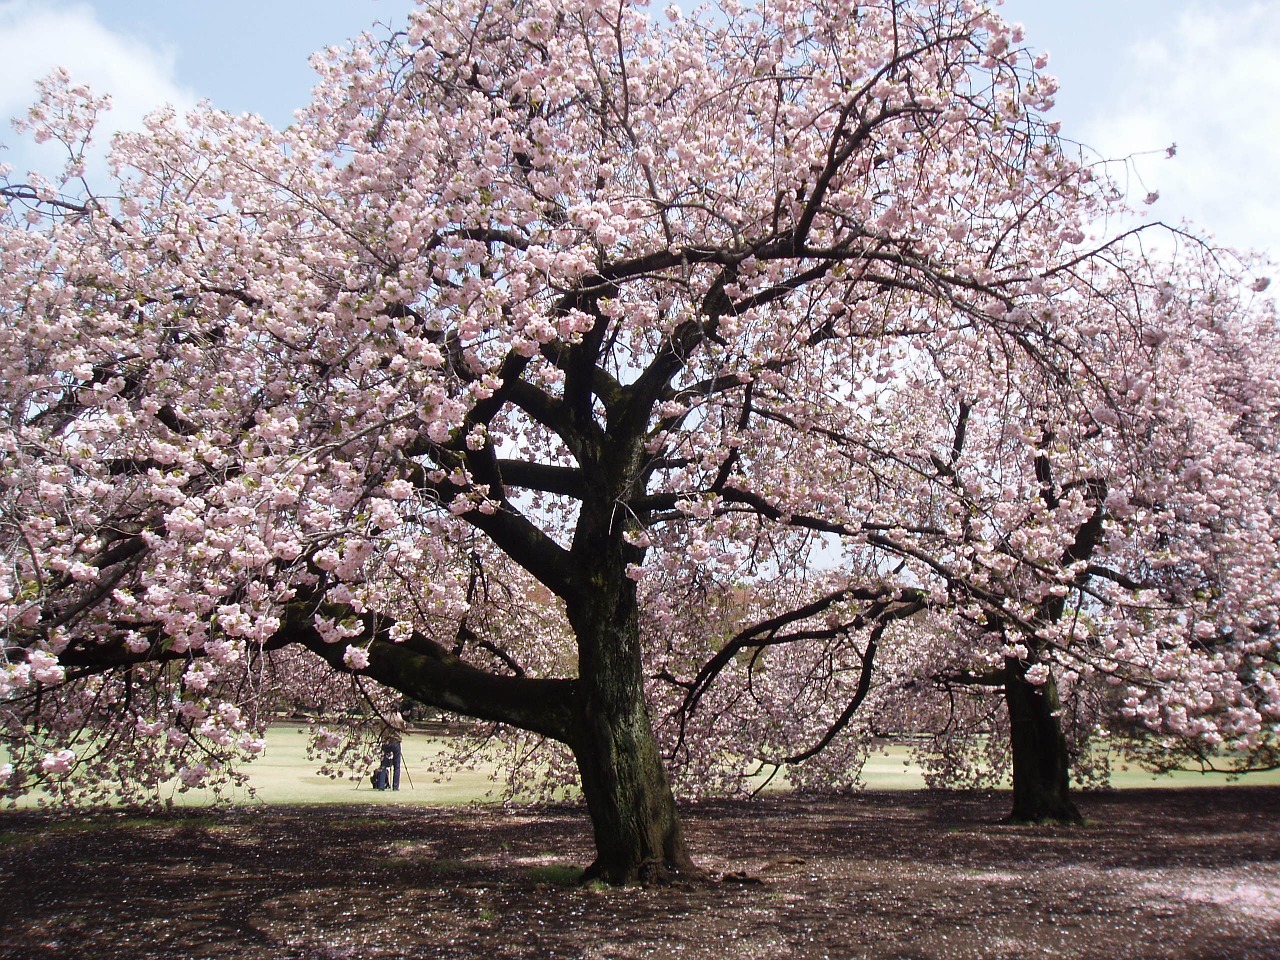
[(284, 775), (897, 771)]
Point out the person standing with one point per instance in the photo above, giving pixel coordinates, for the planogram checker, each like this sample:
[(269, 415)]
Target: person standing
[(392, 748)]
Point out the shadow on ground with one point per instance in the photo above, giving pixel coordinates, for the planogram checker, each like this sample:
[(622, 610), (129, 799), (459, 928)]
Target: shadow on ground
[(1176, 875)]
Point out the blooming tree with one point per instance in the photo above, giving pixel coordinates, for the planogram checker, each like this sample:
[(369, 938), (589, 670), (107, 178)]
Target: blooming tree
[(566, 298), (1125, 559), (1092, 536)]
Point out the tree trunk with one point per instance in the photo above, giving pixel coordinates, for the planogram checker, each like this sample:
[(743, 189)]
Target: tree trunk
[(633, 812), (1041, 765)]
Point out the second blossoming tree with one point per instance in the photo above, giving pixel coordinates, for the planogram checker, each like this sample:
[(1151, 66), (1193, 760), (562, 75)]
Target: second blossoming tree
[(1081, 552)]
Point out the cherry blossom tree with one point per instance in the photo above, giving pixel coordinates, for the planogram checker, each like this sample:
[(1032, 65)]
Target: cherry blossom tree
[(1125, 559), (586, 304), (1093, 537)]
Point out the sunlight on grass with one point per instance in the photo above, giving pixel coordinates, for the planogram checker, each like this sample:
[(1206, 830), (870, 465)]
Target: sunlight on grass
[(284, 775)]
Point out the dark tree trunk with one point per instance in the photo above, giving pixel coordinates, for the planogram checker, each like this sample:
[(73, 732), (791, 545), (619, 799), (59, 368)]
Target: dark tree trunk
[(633, 811), (1041, 765), (602, 715)]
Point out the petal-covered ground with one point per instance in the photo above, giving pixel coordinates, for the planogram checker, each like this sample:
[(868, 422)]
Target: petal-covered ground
[(1177, 875)]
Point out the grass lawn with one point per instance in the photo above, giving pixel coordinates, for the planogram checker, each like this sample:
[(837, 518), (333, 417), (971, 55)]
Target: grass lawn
[(283, 775), (891, 768)]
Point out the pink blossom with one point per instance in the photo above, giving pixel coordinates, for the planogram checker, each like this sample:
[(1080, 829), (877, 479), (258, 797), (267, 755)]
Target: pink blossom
[(1037, 674), (45, 668), (399, 489), (326, 739), (58, 763)]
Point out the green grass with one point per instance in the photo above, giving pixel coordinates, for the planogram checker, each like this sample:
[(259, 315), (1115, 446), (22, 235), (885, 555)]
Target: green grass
[(560, 874), (898, 771), (444, 866), (283, 775), (891, 768), (103, 821), (1126, 777)]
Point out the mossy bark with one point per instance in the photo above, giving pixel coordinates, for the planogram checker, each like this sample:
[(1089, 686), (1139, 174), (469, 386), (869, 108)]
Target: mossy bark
[(633, 813), (624, 781), (1041, 761)]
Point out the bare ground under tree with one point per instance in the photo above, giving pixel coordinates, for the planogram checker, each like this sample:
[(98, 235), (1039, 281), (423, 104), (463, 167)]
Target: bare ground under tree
[(1180, 875)]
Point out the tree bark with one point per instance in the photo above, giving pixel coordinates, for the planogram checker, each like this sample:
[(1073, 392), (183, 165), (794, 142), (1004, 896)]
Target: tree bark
[(1041, 764), (633, 811)]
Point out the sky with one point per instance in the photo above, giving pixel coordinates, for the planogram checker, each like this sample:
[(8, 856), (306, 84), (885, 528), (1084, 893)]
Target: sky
[(1136, 75)]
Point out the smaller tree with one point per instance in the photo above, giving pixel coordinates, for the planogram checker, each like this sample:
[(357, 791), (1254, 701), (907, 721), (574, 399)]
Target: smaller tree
[(1120, 569), (1080, 542)]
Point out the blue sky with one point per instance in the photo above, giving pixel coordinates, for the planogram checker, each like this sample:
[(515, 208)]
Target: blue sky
[(1136, 76)]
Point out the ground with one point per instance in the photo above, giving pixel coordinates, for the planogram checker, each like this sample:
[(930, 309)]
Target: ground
[(1169, 874)]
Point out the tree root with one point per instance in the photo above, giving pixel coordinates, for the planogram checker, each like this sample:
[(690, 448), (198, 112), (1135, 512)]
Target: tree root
[(655, 874)]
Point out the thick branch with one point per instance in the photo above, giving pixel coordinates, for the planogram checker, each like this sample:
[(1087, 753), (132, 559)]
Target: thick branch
[(427, 672), (548, 478), (885, 604)]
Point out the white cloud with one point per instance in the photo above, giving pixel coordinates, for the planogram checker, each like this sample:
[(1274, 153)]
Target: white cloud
[(38, 36), (1209, 81)]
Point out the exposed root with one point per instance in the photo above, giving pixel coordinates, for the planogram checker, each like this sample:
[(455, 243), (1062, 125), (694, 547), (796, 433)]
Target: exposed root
[(650, 873), (1045, 820)]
